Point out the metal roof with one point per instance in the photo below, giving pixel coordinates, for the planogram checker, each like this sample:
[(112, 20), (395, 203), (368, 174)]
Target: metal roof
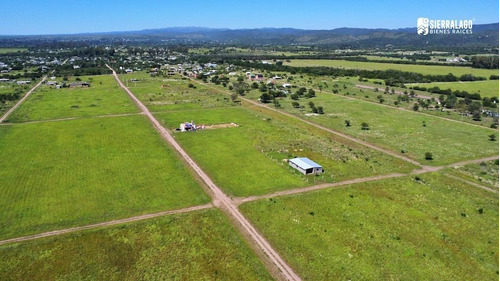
[(305, 163)]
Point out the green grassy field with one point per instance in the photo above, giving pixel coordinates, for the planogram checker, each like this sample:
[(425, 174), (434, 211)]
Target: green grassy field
[(396, 129), (103, 97), (12, 50), (433, 228), (248, 160), (195, 246), (485, 173), (423, 69), (62, 174), (169, 94), (488, 88)]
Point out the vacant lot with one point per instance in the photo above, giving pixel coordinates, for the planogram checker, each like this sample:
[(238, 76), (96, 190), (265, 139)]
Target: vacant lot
[(397, 130), (423, 69), (101, 98), (195, 246), (487, 89), (426, 228), (168, 94), (61, 174), (248, 159)]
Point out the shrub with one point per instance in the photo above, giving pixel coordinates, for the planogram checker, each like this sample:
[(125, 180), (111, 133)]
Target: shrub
[(428, 156), (365, 126)]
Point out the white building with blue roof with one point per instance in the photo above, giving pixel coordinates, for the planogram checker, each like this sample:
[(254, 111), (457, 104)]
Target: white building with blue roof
[(305, 165)]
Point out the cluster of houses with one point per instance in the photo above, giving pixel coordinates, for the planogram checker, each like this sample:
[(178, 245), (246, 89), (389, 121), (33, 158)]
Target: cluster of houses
[(18, 82)]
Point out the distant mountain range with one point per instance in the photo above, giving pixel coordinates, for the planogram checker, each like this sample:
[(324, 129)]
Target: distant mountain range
[(483, 35)]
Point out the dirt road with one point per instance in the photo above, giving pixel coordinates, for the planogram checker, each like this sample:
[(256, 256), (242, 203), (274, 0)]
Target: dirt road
[(426, 169), (471, 183), (108, 223), (396, 92), (219, 197), (316, 187)]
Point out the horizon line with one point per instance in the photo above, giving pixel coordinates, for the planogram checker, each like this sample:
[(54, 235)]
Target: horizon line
[(204, 27)]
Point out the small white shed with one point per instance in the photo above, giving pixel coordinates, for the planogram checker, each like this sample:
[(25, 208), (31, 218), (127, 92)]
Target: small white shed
[(305, 165)]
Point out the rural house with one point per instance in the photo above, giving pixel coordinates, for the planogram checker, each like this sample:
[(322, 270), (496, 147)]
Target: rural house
[(305, 166)]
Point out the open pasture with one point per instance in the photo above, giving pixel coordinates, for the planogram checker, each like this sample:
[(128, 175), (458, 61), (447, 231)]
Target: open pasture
[(103, 97), (487, 89), (423, 69), (194, 246), (385, 230), (64, 174), (250, 159)]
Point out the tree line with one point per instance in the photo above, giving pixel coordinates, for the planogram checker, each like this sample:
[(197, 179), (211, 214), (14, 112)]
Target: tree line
[(390, 77)]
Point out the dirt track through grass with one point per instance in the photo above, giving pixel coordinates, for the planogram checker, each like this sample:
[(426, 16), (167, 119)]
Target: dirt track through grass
[(221, 199)]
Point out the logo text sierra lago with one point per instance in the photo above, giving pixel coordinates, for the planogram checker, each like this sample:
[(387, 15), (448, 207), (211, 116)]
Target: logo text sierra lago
[(430, 26)]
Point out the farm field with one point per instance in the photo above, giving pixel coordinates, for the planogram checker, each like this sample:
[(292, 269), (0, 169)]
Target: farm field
[(103, 97), (394, 129), (423, 69), (64, 174), (193, 246), (486, 89), (248, 160), (485, 173), (390, 229), (168, 94)]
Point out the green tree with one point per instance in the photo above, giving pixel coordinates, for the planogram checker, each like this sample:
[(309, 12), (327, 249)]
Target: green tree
[(311, 93), (320, 110), (265, 98)]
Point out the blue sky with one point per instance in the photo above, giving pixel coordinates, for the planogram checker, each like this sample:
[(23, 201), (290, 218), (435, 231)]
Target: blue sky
[(70, 16)]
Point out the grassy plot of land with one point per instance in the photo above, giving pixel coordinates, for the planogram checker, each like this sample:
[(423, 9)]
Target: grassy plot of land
[(423, 69), (484, 173), (194, 246), (487, 89), (390, 99), (101, 98), (395, 129), (12, 50), (62, 174), (426, 228), (165, 94), (249, 159)]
